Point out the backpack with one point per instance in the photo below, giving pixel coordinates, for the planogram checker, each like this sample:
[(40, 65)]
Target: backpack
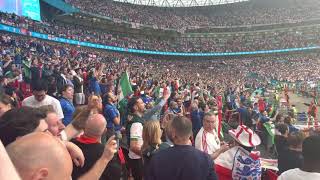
[(148, 153), (152, 150)]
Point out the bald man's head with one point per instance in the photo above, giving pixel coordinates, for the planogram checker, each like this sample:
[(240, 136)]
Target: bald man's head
[(40, 155), (95, 126)]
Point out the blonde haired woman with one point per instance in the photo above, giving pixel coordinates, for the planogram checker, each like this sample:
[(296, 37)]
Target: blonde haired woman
[(95, 104), (152, 143)]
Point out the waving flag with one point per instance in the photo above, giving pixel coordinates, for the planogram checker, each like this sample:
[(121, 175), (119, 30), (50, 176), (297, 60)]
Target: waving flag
[(125, 86)]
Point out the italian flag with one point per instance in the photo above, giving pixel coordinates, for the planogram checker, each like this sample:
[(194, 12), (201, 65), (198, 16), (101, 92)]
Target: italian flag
[(220, 106), (271, 130), (26, 69), (125, 86)]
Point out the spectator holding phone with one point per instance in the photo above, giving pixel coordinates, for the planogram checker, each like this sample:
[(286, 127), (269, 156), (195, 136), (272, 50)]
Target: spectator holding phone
[(90, 144), (207, 139)]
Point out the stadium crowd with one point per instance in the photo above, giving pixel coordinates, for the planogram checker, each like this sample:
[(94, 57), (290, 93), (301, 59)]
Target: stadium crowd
[(228, 15), (112, 115), (220, 43)]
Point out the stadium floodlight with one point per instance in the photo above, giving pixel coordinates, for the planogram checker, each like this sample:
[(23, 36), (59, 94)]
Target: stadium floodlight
[(180, 3)]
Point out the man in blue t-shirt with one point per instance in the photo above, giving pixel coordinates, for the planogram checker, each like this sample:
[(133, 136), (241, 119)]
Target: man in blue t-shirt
[(111, 114), (244, 115)]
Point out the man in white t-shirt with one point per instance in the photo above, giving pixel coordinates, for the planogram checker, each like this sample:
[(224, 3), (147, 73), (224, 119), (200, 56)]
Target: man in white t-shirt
[(207, 139), (311, 162), (134, 128), (40, 98)]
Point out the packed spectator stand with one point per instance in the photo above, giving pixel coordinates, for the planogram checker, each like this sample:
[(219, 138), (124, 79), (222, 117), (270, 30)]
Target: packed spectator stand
[(228, 15), (234, 42)]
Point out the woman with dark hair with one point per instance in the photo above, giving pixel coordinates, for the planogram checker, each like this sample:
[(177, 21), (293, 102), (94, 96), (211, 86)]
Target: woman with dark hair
[(291, 157), (52, 86), (11, 92), (6, 104), (103, 86), (66, 103), (280, 139), (288, 120)]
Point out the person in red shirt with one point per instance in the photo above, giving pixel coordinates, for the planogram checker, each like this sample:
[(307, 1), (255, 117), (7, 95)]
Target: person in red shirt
[(261, 105), (312, 114)]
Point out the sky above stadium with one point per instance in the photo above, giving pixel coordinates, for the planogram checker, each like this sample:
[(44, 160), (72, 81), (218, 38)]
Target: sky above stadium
[(180, 3)]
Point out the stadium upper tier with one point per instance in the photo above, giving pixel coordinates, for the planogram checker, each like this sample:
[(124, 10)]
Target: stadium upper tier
[(180, 3), (194, 17), (55, 56), (227, 42)]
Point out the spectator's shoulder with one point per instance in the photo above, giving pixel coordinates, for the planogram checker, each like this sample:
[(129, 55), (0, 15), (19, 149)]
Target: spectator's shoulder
[(201, 153), (53, 99), (164, 152), (108, 107), (27, 100), (136, 124), (287, 174), (61, 100)]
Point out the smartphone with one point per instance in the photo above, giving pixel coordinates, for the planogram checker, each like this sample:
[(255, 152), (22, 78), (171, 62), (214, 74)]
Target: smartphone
[(230, 143), (118, 137)]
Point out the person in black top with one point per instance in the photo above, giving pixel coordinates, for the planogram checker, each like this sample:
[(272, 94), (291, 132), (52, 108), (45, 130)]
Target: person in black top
[(182, 161), (78, 87), (92, 149), (36, 71), (280, 139), (7, 64), (244, 115), (3, 84), (152, 144), (292, 157)]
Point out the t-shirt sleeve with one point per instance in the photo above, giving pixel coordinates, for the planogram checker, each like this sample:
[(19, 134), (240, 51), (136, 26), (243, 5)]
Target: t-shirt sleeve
[(264, 119), (281, 177), (136, 131), (24, 102), (58, 109), (149, 113), (198, 143)]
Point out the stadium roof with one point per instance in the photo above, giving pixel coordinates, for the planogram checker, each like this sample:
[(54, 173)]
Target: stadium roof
[(180, 3)]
